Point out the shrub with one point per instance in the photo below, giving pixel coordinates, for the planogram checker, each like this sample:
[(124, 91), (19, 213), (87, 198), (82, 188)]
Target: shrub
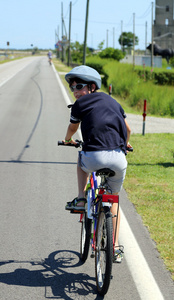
[(112, 53), (159, 76)]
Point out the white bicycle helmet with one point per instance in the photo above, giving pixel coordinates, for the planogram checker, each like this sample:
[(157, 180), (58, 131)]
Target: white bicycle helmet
[(86, 74)]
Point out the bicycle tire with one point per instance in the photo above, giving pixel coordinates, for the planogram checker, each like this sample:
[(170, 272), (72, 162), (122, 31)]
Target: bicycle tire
[(85, 237), (104, 250)]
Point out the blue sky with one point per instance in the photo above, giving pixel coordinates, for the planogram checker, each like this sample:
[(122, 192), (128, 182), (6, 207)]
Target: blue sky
[(26, 22)]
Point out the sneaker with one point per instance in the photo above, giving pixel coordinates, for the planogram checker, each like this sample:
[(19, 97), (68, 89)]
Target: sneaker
[(72, 206), (118, 255)]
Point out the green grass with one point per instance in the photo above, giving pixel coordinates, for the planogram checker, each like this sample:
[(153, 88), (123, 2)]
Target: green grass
[(150, 186), (60, 66), (11, 59), (133, 90)]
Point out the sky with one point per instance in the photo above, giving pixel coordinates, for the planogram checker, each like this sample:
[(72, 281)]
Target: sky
[(39, 23)]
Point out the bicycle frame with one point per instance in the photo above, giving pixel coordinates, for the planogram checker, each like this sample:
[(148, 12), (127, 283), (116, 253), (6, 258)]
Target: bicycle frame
[(102, 237), (97, 199)]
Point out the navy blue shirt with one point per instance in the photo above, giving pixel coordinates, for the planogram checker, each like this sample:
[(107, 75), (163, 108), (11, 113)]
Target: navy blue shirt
[(102, 122)]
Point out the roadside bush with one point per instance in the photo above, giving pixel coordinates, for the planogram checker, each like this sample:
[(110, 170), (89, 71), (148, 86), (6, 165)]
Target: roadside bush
[(159, 76), (172, 61), (112, 54)]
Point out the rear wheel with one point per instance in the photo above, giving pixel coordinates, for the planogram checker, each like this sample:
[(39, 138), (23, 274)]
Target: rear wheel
[(85, 237), (104, 251)]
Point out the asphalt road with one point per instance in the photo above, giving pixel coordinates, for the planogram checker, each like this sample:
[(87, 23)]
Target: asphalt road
[(39, 249)]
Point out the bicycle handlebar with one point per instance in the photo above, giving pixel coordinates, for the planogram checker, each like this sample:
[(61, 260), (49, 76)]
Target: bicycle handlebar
[(131, 149), (79, 144)]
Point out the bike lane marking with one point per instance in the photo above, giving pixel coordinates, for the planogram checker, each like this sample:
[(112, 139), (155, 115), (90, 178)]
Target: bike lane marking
[(140, 271)]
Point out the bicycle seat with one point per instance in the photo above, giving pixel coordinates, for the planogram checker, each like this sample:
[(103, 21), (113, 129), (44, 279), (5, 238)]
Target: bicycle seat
[(106, 172)]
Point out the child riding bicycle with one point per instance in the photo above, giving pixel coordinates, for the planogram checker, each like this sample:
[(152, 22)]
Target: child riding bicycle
[(105, 133)]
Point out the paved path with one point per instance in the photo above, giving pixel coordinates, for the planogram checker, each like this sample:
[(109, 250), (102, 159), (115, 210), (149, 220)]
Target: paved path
[(10, 69), (152, 125)]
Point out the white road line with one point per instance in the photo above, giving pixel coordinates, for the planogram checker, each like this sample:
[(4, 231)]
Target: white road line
[(141, 273), (65, 95)]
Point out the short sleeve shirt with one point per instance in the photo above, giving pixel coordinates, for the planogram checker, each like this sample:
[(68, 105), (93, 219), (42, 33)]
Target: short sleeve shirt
[(102, 122)]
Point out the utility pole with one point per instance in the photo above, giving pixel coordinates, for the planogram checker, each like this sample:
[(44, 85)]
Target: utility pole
[(133, 39), (152, 40), (107, 38), (145, 37), (62, 31), (69, 33), (86, 27), (57, 42), (122, 36), (113, 37)]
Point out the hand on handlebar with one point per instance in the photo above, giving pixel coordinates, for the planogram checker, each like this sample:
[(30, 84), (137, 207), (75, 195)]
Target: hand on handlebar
[(72, 142), (129, 148)]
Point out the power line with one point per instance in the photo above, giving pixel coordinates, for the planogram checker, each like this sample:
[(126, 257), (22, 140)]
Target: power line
[(146, 13), (74, 2)]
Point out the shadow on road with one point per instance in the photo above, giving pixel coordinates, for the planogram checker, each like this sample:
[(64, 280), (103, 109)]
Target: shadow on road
[(38, 162), (54, 273)]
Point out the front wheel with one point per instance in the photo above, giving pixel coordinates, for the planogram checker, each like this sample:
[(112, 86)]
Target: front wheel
[(104, 250), (85, 237)]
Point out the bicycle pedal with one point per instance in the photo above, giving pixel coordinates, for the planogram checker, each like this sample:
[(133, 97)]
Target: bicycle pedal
[(76, 211)]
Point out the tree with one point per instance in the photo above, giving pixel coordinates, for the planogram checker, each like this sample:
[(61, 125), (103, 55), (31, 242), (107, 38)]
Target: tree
[(77, 52), (100, 46), (126, 39)]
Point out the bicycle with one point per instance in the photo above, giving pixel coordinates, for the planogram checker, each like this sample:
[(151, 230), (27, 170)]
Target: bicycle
[(97, 226), (49, 57)]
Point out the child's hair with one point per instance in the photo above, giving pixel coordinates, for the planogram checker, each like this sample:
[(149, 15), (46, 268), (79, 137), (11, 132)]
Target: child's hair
[(78, 80)]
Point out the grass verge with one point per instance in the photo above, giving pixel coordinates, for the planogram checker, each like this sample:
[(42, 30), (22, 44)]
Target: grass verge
[(11, 59), (150, 186)]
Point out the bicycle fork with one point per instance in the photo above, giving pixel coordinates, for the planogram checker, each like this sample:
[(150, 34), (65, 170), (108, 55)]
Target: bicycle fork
[(107, 200)]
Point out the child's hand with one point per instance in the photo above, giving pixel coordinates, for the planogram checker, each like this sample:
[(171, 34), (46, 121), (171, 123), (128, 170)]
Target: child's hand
[(69, 142), (129, 147)]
